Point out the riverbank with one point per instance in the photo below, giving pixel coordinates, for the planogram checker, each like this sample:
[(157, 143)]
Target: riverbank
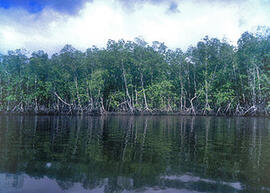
[(251, 111)]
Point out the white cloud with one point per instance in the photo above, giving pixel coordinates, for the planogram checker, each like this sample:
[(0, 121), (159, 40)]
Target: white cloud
[(102, 20)]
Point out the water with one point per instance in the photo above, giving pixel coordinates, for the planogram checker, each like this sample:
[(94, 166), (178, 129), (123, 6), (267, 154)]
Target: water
[(172, 154)]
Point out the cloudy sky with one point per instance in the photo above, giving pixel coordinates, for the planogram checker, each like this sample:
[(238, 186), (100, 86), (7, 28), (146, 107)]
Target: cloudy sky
[(50, 24)]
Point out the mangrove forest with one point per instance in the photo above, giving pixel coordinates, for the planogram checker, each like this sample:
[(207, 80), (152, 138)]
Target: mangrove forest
[(214, 77)]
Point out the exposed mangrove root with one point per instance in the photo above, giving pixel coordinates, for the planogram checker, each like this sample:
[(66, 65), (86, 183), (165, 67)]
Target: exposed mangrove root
[(70, 109)]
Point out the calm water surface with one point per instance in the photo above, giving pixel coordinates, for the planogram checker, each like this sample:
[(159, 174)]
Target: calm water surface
[(56, 154)]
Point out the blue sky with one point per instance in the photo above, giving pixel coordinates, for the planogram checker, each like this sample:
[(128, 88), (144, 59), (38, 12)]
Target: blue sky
[(35, 6), (50, 24)]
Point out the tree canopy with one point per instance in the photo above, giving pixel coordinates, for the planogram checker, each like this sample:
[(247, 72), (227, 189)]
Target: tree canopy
[(134, 76)]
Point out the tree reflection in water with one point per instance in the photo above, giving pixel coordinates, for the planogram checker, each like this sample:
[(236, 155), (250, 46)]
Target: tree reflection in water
[(134, 153)]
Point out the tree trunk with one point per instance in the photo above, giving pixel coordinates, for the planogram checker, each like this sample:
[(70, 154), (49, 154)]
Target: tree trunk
[(102, 109), (77, 92), (259, 83), (36, 103), (88, 95), (136, 97), (144, 96), (206, 108), (91, 100), (126, 88), (182, 93), (254, 87), (191, 104)]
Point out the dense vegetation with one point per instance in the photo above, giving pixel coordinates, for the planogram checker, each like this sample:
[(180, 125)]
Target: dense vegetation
[(126, 76)]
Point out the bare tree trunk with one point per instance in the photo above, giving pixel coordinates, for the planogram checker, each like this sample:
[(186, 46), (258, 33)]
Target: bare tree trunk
[(132, 99), (91, 100), (207, 107), (36, 103), (206, 87), (57, 105), (194, 80), (259, 82), (136, 97), (254, 87), (126, 88), (228, 108), (144, 96), (189, 84), (62, 99), (182, 93), (77, 92), (88, 95), (191, 104)]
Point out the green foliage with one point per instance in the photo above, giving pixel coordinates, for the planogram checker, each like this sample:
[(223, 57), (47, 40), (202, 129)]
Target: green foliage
[(116, 99), (160, 95), (126, 76), (225, 95)]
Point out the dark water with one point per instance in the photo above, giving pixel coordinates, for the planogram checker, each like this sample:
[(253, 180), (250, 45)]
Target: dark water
[(40, 154)]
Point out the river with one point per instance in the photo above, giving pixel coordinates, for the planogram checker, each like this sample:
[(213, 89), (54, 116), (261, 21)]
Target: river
[(153, 154)]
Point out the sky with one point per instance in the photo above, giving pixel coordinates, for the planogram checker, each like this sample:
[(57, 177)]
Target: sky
[(50, 24)]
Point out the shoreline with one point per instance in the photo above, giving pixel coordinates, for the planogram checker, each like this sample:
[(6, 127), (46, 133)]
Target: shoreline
[(143, 113)]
